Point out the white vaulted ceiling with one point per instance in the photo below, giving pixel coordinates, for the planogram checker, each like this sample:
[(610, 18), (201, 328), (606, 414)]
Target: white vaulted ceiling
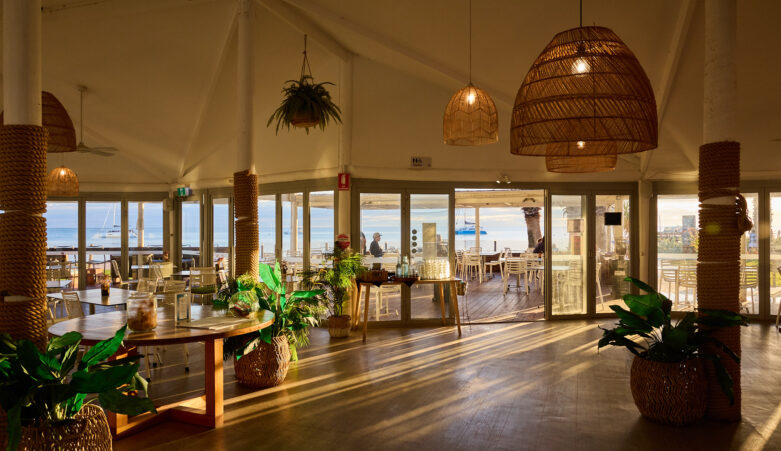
[(161, 78)]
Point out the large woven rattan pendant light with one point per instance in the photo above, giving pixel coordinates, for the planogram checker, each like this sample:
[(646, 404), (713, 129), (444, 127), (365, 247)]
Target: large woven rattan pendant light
[(581, 164), (586, 94), (470, 117), (62, 135), (62, 182)]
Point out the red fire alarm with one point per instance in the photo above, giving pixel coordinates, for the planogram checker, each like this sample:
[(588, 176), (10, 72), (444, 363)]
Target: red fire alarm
[(344, 181)]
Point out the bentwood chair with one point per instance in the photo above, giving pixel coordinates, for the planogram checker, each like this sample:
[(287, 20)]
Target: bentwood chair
[(118, 275), (749, 280), (514, 267), (489, 266), (473, 263), (687, 279)]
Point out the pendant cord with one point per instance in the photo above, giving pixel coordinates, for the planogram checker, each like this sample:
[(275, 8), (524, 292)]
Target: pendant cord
[(81, 115), (305, 64), (470, 42), (581, 13)]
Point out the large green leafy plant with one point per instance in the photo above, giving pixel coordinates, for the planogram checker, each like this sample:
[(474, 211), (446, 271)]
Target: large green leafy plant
[(50, 387), (304, 98), (336, 279), (294, 313), (647, 331)]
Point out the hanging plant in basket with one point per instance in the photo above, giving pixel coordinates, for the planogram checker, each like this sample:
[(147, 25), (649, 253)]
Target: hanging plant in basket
[(305, 103)]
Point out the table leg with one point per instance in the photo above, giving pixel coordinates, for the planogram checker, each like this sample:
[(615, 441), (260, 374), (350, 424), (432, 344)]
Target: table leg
[(92, 309), (366, 312), (356, 306), (214, 380), (454, 303), (442, 302)]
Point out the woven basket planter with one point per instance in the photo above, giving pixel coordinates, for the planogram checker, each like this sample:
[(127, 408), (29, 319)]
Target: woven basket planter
[(669, 393), (339, 326), (304, 120), (88, 430), (266, 366)]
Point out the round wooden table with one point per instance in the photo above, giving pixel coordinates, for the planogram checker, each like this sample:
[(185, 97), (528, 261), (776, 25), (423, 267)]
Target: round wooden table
[(95, 328)]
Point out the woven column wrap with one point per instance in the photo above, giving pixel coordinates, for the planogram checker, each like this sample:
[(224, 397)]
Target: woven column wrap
[(23, 162), (245, 201), (23, 254), (718, 269)]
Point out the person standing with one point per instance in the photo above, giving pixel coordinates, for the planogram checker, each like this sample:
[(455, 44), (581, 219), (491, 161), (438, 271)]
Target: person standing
[(363, 244), (375, 248)]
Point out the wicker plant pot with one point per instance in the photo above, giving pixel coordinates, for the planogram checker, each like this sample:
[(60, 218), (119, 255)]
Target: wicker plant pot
[(88, 430), (339, 326), (304, 120), (669, 393), (266, 366)]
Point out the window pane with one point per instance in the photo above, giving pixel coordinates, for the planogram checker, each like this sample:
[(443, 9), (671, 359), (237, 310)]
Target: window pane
[(293, 231), (429, 247), (221, 230), (191, 233), (267, 227), (62, 238), (104, 238), (568, 259), (145, 233), (321, 225), (381, 214), (676, 249), (613, 235), (775, 252), (749, 259)]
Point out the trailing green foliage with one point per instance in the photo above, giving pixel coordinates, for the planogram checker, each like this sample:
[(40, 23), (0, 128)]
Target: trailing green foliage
[(50, 387), (305, 97), (647, 331), (293, 313), (337, 278)]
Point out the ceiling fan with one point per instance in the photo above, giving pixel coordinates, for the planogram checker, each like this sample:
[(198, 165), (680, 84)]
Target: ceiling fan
[(81, 147)]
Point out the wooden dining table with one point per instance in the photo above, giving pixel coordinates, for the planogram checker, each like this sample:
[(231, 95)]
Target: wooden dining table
[(206, 410), (116, 297)]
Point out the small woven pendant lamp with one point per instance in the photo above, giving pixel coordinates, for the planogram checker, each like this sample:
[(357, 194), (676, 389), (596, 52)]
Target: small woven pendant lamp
[(62, 182), (470, 117), (588, 163), (62, 135), (586, 94)]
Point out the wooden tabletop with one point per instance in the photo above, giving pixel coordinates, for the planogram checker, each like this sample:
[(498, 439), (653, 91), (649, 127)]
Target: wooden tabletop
[(95, 328), (421, 281), (117, 296)]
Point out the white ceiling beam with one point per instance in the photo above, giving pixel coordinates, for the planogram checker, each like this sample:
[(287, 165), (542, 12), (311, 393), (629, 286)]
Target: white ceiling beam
[(207, 98), (669, 70), (303, 24), (456, 76)]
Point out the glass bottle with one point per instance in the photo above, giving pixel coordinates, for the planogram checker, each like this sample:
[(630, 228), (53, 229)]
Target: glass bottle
[(398, 266), (405, 267)]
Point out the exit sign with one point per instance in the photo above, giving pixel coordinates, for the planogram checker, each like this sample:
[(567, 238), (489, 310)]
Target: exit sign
[(184, 191), (420, 162)]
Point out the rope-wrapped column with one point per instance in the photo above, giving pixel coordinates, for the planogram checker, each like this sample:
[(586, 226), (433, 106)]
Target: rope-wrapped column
[(23, 231), (722, 222), (245, 201)]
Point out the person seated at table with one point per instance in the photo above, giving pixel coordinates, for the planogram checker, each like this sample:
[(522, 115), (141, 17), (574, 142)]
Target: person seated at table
[(540, 247), (375, 248), (363, 244)]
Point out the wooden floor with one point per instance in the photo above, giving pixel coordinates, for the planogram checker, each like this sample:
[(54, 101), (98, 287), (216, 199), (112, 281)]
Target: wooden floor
[(529, 385)]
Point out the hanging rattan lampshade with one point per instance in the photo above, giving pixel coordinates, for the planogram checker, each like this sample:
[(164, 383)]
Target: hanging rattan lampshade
[(62, 136), (586, 94), (470, 118), (573, 165), (62, 182)]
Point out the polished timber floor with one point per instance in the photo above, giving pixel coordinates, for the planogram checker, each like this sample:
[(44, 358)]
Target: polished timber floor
[(532, 385)]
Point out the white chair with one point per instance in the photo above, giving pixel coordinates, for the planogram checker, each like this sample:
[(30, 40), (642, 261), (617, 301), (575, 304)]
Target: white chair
[(498, 262), (778, 315), (147, 285), (118, 275), (383, 291), (72, 304), (513, 267), (749, 279), (473, 263), (459, 263), (687, 278)]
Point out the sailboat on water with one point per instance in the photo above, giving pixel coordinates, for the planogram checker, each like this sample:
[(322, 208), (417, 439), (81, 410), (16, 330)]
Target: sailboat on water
[(467, 227), (115, 231)]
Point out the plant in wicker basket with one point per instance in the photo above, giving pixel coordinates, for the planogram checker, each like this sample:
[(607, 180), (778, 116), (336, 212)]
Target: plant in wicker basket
[(44, 393), (336, 281), (305, 103), (269, 351), (667, 380)]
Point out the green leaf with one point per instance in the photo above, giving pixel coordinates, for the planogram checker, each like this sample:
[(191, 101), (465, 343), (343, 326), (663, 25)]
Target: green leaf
[(36, 364), (100, 381), (270, 278), (103, 349), (640, 284), (117, 402), (265, 335), (306, 294), (67, 340), (14, 426), (675, 337), (631, 320), (725, 380), (643, 305), (720, 318)]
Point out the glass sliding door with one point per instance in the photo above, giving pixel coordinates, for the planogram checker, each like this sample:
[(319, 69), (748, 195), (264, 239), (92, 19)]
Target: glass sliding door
[(380, 228), (676, 248), (104, 238), (62, 240), (293, 231), (568, 255), (775, 253), (321, 225), (429, 250), (612, 244), (145, 233), (267, 227), (191, 234), (749, 259), (221, 220)]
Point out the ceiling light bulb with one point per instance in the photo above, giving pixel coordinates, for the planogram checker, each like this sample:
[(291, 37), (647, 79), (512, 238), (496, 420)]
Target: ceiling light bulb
[(581, 144), (62, 171), (581, 66), (470, 98)]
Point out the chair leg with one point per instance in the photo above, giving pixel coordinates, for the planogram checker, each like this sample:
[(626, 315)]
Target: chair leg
[(148, 366), (186, 358)]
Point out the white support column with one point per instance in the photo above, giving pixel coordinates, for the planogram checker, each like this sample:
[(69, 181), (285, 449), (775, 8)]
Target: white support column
[(22, 62), (245, 87), (720, 99), (477, 227), (345, 143), (644, 193)]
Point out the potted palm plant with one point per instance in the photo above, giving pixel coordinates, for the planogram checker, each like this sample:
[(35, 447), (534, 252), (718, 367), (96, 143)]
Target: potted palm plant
[(667, 380), (44, 394), (305, 103), (262, 359), (337, 281)]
